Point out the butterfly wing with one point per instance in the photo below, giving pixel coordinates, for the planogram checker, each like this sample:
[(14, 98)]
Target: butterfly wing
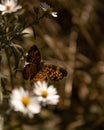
[(33, 55), (54, 72), (37, 71), (29, 71), (40, 76), (33, 58)]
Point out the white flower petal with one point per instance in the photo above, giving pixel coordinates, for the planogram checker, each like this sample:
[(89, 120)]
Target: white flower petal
[(16, 102), (9, 6), (16, 8), (54, 14), (34, 108), (51, 93), (2, 7), (52, 90)]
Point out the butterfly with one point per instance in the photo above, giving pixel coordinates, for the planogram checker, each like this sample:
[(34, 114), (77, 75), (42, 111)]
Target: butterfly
[(36, 70)]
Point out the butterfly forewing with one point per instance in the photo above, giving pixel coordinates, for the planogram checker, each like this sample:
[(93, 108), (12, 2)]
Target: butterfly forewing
[(33, 55), (33, 59)]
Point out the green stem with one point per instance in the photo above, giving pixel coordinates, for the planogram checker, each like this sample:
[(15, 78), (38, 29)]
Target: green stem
[(10, 69)]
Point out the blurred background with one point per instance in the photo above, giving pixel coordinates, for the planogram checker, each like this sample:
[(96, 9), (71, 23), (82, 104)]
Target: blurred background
[(75, 41)]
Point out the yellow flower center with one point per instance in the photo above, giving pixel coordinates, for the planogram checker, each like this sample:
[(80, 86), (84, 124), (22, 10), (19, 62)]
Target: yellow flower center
[(8, 7), (25, 101), (44, 94)]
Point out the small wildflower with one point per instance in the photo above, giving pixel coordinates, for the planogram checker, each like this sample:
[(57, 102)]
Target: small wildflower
[(48, 9), (46, 94), (9, 6), (20, 100)]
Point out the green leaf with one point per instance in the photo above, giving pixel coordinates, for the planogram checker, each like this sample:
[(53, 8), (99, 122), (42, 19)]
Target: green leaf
[(18, 53)]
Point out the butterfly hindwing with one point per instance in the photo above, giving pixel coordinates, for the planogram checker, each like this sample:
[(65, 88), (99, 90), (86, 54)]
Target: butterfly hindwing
[(40, 76), (54, 72), (29, 71)]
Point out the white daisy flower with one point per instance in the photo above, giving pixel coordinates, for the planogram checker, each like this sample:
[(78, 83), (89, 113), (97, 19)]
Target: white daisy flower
[(20, 100), (9, 6), (48, 9), (46, 94)]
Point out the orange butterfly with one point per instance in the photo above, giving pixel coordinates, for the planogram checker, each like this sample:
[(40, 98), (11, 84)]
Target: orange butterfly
[(36, 70)]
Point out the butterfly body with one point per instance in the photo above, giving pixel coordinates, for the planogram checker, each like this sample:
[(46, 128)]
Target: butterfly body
[(36, 70)]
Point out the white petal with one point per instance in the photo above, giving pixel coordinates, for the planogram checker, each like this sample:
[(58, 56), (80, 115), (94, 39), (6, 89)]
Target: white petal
[(16, 8), (12, 3), (44, 85), (34, 108), (39, 87), (52, 90), (16, 94), (17, 105), (2, 7), (54, 14)]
